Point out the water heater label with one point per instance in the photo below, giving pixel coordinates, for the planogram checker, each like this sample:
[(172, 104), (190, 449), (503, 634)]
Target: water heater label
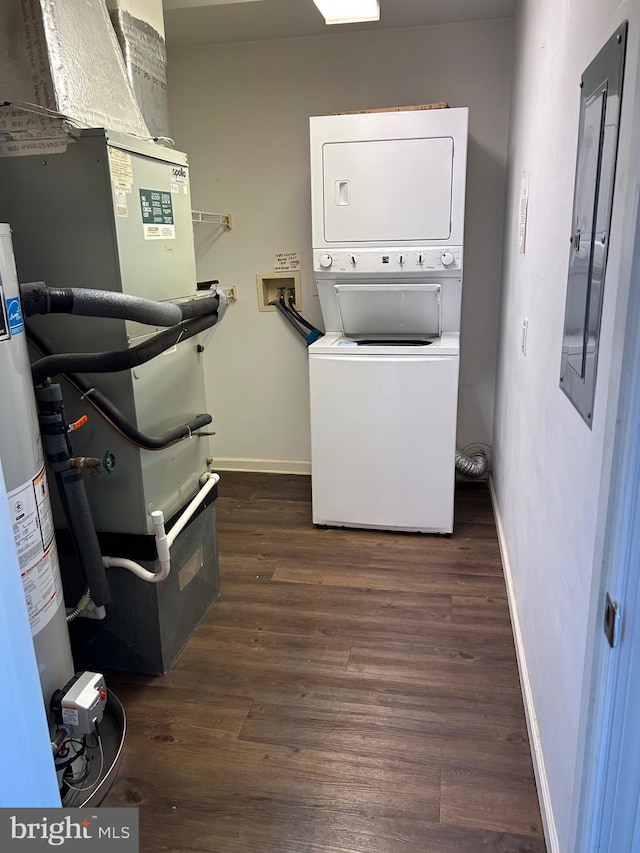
[(14, 314), (33, 535), (157, 215)]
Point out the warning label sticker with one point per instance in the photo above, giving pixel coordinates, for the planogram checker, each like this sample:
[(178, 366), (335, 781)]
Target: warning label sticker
[(33, 534), (121, 167), (122, 204), (157, 215)]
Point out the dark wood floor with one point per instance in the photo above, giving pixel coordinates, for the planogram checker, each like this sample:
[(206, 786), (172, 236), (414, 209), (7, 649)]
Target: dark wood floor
[(351, 692)]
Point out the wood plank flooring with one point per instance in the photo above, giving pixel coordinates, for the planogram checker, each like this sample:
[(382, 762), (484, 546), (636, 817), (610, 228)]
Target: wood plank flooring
[(351, 692)]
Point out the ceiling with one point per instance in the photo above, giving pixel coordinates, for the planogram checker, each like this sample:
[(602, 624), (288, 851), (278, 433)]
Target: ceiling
[(189, 22)]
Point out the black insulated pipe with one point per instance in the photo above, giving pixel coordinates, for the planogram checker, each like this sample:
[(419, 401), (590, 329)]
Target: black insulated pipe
[(117, 360), (106, 409), (85, 537), (37, 298), (199, 306), (53, 429)]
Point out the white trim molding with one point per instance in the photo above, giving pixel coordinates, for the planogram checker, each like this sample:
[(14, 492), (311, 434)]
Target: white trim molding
[(262, 466), (537, 754)]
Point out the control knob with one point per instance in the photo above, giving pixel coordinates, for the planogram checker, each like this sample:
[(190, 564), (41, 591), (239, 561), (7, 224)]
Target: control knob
[(325, 261), (353, 259), (447, 259), (401, 260)]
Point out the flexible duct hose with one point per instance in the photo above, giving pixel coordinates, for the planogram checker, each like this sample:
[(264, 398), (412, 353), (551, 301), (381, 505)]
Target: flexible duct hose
[(81, 606), (474, 465)]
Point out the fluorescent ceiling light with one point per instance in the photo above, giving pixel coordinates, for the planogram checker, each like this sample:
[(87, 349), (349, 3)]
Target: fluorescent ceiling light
[(349, 11)]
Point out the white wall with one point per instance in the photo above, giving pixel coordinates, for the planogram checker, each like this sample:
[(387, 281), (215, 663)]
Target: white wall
[(241, 113), (551, 472)]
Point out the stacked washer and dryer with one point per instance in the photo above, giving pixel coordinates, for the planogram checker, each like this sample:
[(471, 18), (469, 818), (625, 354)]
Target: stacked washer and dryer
[(388, 198)]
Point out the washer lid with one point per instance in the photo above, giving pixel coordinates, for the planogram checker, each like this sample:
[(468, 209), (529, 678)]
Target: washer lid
[(389, 310), (336, 345)]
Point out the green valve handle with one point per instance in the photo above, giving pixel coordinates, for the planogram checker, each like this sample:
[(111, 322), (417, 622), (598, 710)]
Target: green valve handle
[(108, 461)]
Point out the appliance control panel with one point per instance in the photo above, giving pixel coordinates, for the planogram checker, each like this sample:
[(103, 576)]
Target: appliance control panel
[(391, 261)]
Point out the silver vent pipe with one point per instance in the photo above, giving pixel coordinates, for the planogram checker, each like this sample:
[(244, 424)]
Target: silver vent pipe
[(476, 464)]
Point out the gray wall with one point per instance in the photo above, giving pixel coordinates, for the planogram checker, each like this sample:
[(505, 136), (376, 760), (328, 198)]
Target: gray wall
[(241, 112), (551, 472)]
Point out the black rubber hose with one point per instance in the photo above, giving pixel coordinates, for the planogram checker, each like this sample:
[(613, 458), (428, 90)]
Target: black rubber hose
[(283, 310), (291, 307), (114, 362), (120, 423)]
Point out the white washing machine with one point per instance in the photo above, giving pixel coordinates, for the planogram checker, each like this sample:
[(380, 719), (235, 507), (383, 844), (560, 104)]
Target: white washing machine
[(388, 219)]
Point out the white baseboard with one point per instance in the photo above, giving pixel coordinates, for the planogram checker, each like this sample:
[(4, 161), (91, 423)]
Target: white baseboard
[(263, 466), (539, 769)]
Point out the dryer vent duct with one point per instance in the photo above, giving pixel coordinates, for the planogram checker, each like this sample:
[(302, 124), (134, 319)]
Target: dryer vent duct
[(475, 465)]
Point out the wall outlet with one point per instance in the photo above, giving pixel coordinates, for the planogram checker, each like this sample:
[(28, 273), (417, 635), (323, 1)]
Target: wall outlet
[(523, 336)]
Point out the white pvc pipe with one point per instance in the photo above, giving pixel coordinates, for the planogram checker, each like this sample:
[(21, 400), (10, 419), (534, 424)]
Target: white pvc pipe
[(181, 523), (164, 540), (131, 566)]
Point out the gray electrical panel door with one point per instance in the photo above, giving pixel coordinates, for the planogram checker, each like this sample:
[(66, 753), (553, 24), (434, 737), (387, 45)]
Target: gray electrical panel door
[(601, 88)]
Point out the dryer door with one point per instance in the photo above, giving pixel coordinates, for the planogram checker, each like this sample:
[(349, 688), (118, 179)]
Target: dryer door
[(387, 190)]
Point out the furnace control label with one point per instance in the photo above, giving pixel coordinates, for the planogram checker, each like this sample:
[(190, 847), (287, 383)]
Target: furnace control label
[(36, 549), (157, 215)]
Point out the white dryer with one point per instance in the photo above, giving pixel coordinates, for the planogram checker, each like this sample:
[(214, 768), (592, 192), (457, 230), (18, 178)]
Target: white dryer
[(388, 219)]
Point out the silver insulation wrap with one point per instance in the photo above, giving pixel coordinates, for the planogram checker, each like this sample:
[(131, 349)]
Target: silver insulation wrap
[(62, 57), (145, 58)]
